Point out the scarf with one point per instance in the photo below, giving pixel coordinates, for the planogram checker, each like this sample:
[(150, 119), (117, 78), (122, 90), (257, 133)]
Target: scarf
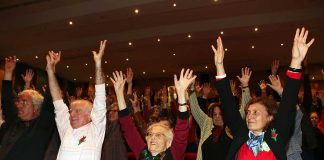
[(255, 142)]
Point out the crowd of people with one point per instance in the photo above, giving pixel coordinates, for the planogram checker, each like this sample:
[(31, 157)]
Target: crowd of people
[(119, 123)]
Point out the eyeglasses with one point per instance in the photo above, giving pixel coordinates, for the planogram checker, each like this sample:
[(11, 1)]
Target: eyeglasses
[(157, 135), (23, 102), (255, 113)]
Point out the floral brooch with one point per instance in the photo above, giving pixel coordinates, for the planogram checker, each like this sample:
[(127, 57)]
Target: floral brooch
[(274, 134), (81, 140)]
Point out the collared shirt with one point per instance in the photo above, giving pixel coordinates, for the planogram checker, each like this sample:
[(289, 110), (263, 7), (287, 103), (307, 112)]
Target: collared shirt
[(83, 143)]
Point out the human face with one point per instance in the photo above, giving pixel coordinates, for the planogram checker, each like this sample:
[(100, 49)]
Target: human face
[(314, 118), (26, 109), (113, 113), (79, 114), (257, 118), (217, 117), (156, 140)]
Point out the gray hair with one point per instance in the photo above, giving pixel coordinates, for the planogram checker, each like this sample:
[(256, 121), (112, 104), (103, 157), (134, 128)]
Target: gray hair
[(168, 132), (37, 98)]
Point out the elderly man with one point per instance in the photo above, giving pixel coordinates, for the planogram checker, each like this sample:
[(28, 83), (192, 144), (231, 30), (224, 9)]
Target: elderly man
[(29, 120), (82, 127)]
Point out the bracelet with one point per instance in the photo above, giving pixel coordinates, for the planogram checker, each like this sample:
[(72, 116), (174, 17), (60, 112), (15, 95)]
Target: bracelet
[(183, 104), (295, 69)]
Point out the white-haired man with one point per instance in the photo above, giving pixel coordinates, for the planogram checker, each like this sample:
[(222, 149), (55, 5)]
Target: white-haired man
[(82, 127)]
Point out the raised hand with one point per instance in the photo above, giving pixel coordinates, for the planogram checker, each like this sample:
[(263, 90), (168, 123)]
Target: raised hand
[(262, 85), (98, 56), (129, 75), (275, 84), (135, 103), (52, 59), (300, 47), (28, 76), (184, 81), (219, 57), (10, 64), (246, 74), (119, 82), (233, 87), (274, 66)]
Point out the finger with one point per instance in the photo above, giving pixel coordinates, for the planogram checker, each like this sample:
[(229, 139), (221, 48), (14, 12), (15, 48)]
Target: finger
[(112, 80), (310, 42), (296, 34), (220, 44), (190, 73), (305, 36), (181, 73), (114, 75), (302, 33), (175, 78), (191, 80), (214, 49), (186, 74)]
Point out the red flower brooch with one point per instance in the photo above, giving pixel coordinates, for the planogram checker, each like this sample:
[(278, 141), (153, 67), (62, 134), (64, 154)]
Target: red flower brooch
[(81, 140), (274, 134)]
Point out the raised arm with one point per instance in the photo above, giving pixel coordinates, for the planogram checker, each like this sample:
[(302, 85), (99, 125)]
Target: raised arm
[(246, 97), (285, 117), (7, 98), (180, 139), (127, 125), (231, 114), (129, 80)]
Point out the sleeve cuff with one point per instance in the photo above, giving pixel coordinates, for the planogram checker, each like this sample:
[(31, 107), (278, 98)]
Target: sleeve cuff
[(220, 77), (294, 75), (184, 115), (124, 112)]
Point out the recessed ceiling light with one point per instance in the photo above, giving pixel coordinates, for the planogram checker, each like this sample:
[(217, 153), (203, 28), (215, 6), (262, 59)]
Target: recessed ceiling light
[(36, 57), (106, 62), (158, 39), (206, 67), (174, 4), (74, 79), (107, 76), (281, 44), (252, 46), (136, 11), (221, 32), (163, 70), (189, 36), (17, 59), (67, 66), (313, 77), (86, 64), (70, 23), (256, 29), (215, 0), (143, 72), (130, 43), (226, 49), (127, 59), (173, 54), (90, 77)]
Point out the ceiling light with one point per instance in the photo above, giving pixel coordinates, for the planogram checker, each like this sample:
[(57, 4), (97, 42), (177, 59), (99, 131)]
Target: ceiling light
[(252, 47), (174, 4), (70, 23), (173, 54), (86, 64), (221, 32), (74, 79), (90, 77), (127, 59), (189, 36), (215, 0), (281, 44), (130, 43), (17, 59), (107, 76), (136, 11), (163, 70), (143, 72), (206, 67), (67, 66), (313, 77), (36, 57), (158, 39), (226, 49), (106, 62), (256, 29)]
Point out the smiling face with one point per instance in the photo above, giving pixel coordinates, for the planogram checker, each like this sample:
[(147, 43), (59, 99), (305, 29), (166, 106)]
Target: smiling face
[(257, 118), (217, 117), (157, 138), (80, 111), (314, 118)]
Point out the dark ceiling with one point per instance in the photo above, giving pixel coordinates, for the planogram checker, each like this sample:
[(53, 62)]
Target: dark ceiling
[(30, 28)]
